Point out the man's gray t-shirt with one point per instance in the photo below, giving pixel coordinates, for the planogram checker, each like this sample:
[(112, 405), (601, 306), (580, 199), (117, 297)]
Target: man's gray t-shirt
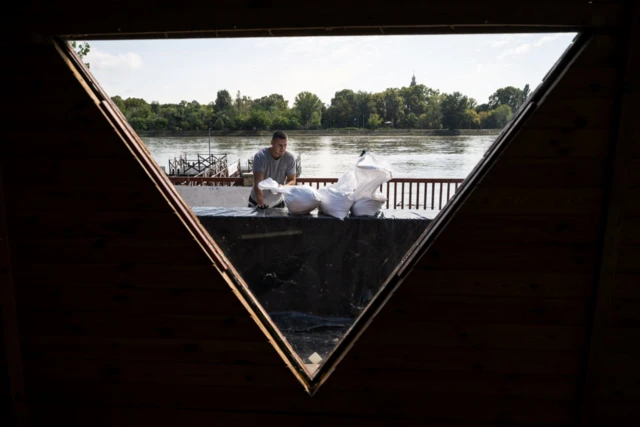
[(276, 169)]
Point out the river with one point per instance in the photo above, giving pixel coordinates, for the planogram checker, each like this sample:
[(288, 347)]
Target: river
[(331, 156)]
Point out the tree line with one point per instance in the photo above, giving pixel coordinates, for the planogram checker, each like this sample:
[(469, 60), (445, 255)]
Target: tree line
[(413, 107)]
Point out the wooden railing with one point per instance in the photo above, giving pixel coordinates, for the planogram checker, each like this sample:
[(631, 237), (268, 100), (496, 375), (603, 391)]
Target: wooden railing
[(216, 181), (406, 193)]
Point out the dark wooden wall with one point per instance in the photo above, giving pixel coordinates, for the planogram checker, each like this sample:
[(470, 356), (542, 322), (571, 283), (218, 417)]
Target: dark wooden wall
[(524, 311)]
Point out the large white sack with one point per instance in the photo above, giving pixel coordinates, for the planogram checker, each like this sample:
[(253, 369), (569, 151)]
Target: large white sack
[(335, 202), (299, 199), (271, 198), (369, 206), (370, 174), (347, 182)]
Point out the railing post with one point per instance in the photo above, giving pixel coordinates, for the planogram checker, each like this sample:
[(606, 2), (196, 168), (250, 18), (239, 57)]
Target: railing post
[(247, 179)]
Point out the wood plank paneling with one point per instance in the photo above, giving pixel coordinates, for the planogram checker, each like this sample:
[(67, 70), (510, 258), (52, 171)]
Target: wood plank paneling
[(534, 229), (6, 405), (69, 172), (406, 358), (103, 299), (554, 144), (77, 145), (323, 21), (121, 275), (577, 257), (488, 329), (629, 259), (627, 286), (118, 225), (559, 173), (58, 200), (526, 311), (592, 113), (530, 284), (437, 412), (235, 399), (474, 336), (215, 350), (110, 250), (534, 201)]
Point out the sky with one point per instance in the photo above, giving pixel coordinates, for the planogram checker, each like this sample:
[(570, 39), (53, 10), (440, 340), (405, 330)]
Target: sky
[(170, 71)]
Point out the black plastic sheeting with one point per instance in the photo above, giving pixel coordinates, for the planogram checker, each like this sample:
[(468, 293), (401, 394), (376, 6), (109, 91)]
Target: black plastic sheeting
[(313, 273)]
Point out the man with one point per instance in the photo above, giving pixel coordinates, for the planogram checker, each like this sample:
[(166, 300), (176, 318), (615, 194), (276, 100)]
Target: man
[(273, 162)]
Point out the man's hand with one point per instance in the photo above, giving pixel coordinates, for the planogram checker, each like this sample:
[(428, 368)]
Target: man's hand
[(262, 206)]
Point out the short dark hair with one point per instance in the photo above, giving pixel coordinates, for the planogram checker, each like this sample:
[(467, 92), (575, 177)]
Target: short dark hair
[(279, 135)]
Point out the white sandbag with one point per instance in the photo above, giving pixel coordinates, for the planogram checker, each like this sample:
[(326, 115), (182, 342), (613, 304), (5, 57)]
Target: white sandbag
[(270, 198), (334, 201), (369, 206), (299, 199), (370, 173), (347, 182)]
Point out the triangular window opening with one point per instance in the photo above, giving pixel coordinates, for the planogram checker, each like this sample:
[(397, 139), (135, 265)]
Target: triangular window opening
[(380, 159)]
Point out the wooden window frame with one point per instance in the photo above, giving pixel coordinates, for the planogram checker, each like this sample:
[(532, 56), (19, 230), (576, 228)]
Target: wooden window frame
[(312, 382)]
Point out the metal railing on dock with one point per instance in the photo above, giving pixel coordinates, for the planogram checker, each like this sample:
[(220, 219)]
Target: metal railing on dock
[(203, 166), (406, 193), (198, 181), (401, 193)]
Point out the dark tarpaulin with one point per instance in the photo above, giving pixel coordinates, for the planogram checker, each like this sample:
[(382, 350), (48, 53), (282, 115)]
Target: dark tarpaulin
[(312, 272)]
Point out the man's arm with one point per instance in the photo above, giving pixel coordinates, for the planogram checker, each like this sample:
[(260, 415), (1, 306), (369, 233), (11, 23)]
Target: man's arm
[(257, 178), (291, 173), (291, 180)]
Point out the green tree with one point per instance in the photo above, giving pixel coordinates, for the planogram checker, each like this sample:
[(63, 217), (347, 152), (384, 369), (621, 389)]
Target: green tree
[(432, 116), (81, 50), (497, 118), (224, 103), (138, 112), (415, 98), (259, 119), (374, 121), (394, 106), (472, 119), (411, 121), (363, 107), (342, 112), (511, 96), (158, 123), (119, 102), (218, 124), (501, 116), (309, 109), (454, 110), (274, 101), (242, 104)]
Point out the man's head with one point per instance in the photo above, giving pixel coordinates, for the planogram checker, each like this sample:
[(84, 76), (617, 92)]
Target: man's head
[(278, 143)]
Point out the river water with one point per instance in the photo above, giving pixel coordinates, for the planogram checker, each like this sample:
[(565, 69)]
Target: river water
[(330, 156)]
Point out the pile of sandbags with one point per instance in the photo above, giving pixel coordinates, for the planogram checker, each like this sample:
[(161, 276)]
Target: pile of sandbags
[(357, 191)]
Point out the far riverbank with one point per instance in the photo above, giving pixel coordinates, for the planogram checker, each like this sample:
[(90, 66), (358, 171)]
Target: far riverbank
[(328, 132)]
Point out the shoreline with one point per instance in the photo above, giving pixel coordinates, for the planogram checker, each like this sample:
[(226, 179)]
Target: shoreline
[(329, 132)]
